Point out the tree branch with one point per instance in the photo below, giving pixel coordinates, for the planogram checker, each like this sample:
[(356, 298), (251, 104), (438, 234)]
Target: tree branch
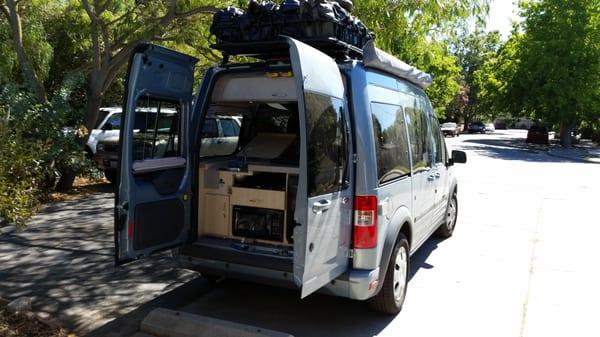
[(117, 62), (5, 10), (197, 10), (124, 15), (106, 41)]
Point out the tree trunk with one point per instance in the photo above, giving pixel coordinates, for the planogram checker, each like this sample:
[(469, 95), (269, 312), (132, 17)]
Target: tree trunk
[(33, 82), (92, 108), (565, 134)]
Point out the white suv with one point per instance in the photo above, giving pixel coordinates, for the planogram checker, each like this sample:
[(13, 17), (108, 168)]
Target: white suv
[(109, 121)]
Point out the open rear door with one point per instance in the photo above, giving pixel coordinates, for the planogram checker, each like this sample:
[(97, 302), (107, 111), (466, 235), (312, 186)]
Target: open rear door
[(324, 198), (152, 210)]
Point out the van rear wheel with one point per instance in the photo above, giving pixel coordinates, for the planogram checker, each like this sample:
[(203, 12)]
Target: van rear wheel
[(390, 298)]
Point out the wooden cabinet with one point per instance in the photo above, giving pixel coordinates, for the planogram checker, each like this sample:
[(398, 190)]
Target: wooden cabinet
[(216, 215), (258, 198)]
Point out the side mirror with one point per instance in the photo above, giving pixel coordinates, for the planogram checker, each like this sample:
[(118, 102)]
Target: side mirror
[(458, 157), (107, 127)]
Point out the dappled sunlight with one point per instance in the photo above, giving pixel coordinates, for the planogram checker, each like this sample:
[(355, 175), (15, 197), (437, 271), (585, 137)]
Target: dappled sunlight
[(64, 260)]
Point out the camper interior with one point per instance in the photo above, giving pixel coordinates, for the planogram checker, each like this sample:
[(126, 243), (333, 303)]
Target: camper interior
[(247, 190)]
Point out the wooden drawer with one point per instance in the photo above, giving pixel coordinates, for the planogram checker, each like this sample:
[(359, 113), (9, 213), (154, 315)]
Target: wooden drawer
[(258, 198)]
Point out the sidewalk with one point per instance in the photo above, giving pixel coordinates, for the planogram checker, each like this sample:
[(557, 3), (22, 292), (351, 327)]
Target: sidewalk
[(586, 151), (64, 261)]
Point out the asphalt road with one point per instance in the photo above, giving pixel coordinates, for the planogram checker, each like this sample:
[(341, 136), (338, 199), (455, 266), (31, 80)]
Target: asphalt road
[(522, 262)]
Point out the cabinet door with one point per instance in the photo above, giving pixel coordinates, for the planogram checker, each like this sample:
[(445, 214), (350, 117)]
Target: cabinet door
[(216, 215)]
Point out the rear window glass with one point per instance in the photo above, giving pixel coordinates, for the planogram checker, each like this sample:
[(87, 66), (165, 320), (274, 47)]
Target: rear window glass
[(230, 128), (391, 143), (327, 144), (156, 129)]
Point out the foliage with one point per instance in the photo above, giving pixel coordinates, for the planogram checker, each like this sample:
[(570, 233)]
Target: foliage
[(417, 32), (34, 148), (551, 70), (560, 61), (495, 76), (472, 49)]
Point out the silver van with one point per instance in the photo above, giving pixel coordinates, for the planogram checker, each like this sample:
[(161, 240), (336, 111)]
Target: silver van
[(339, 172)]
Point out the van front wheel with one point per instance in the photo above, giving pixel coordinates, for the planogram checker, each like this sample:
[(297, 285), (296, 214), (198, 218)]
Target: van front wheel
[(390, 298)]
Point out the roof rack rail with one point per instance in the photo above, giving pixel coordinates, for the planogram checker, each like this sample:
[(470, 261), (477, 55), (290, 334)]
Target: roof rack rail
[(279, 49)]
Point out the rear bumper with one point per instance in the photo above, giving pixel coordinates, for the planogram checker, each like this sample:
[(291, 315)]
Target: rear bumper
[(353, 284)]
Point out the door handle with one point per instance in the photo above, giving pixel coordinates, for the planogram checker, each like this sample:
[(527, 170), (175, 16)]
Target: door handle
[(321, 206), (437, 175), (431, 177)]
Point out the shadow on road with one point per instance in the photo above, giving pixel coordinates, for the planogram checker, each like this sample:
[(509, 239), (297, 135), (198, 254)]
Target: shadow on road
[(271, 307), (64, 260), (509, 149)]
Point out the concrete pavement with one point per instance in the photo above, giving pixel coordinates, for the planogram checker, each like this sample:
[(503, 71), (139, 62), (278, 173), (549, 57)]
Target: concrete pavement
[(64, 261), (522, 263)]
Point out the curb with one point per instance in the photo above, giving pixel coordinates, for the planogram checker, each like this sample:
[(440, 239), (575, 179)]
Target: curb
[(577, 159), (169, 323)]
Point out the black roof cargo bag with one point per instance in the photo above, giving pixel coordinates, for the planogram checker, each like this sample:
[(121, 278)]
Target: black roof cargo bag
[(305, 20)]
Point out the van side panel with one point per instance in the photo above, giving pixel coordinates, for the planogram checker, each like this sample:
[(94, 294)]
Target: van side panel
[(369, 87)]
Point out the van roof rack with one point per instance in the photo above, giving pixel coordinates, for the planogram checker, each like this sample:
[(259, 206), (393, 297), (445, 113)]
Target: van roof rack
[(279, 49)]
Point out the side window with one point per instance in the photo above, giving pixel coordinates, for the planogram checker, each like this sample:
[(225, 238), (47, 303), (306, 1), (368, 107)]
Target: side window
[(230, 128), (156, 129), (420, 141), (439, 151), (114, 121), (220, 135), (209, 129), (101, 116), (391, 144), (327, 147)]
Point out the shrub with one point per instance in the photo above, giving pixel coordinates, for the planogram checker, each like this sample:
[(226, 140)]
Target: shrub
[(37, 143)]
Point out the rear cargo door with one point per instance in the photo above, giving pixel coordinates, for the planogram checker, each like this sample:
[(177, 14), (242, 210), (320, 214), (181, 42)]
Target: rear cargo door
[(152, 210), (324, 198)]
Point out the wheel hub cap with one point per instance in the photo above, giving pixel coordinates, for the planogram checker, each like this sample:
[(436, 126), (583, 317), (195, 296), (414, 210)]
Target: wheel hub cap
[(451, 215), (400, 270)]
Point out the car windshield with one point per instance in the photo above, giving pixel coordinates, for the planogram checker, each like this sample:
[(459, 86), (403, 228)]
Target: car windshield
[(101, 116), (449, 125)]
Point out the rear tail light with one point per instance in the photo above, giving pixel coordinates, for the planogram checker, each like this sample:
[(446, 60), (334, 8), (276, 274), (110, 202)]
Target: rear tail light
[(365, 221)]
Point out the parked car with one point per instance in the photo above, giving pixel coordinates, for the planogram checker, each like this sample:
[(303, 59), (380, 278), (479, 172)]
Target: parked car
[(489, 127), (538, 134), (500, 124), (331, 187), (476, 127), (109, 120), (450, 129), (218, 134)]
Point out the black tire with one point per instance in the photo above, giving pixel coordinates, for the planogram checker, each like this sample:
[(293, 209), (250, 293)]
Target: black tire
[(390, 298), (447, 227), (213, 279), (111, 176)]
